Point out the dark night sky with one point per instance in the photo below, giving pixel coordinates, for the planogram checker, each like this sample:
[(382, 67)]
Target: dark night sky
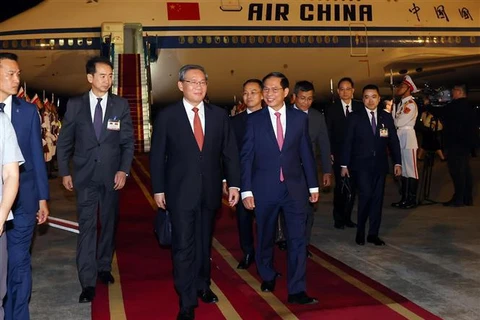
[(15, 7)]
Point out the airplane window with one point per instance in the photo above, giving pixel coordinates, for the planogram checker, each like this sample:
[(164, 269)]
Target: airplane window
[(190, 40), (261, 39), (319, 39), (181, 40), (61, 42), (42, 42), (427, 39), (294, 39), (226, 40), (14, 43), (70, 42), (311, 39), (24, 43), (269, 39), (303, 39), (243, 39), (251, 39), (80, 42), (278, 39), (286, 39), (208, 39), (235, 39), (217, 39), (473, 39), (450, 39), (442, 39), (327, 39), (458, 39), (52, 42), (33, 43), (89, 41), (335, 39), (5, 44), (199, 40)]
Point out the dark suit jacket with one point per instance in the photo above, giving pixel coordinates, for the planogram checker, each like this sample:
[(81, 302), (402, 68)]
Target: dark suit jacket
[(239, 123), (184, 173), (114, 150), (336, 125), (261, 158), (460, 128), (362, 150), (33, 173), (317, 129)]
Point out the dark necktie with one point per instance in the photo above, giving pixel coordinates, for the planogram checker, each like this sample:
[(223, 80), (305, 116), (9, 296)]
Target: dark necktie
[(97, 119), (2, 106), (347, 111), (197, 129), (374, 123)]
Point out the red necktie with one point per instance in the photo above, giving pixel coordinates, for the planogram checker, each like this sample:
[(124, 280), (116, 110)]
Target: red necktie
[(197, 129), (279, 138)]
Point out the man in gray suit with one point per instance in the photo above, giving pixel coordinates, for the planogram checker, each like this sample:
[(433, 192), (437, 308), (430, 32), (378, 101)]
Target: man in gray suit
[(97, 131), (303, 95)]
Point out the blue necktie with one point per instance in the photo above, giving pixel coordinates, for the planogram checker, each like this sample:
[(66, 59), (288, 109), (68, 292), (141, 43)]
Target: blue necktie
[(374, 123), (97, 119), (2, 105)]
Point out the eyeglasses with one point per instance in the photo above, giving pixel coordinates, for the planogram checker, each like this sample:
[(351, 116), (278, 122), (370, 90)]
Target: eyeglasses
[(274, 90), (202, 83), (345, 89)]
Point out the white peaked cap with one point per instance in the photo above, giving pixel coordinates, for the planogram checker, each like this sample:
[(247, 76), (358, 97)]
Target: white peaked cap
[(409, 82)]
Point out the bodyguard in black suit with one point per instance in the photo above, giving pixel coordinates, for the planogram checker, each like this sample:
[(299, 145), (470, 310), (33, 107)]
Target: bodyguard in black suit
[(337, 114), (192, 142), (369, 133), (97, 133), (252, 97)]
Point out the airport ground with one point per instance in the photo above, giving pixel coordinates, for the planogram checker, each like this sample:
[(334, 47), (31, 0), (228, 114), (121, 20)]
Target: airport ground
[(432, 256)]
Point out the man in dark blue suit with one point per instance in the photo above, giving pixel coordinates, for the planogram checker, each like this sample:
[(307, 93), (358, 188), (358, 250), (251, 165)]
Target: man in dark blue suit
[(193, 148), (31, 204), (279, 173), (252, 97), (370, 132)]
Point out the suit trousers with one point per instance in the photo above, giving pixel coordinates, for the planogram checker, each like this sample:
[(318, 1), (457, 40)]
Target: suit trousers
[(370, 187), (245, 228), (191, 250), (3, 271), (459, 169), (92, 200), (19, 278), (295, 213), (342, 208)]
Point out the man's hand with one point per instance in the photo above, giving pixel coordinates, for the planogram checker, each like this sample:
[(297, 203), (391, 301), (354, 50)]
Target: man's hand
[(388, 105), (397, 170), (225, 188), (43, 211), (345, 172), (120, 179), (327, 179), (233, 196), (313, 197), (249, 203), (160, 200), (67, 183)]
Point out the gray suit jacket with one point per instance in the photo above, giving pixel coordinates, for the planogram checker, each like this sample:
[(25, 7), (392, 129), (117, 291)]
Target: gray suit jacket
[(318, 131), (95, 159)]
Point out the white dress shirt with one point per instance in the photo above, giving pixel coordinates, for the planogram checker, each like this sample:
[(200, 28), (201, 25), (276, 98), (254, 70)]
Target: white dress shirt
[(370, 115), (344, 105), (93, 104), (191, 114), (8, 107)]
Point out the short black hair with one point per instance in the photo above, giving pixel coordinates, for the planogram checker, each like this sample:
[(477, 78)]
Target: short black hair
[(370, 87), (90, 67), (8, 56), (283, 79), (346, 79), (303, 86), (257, 81)]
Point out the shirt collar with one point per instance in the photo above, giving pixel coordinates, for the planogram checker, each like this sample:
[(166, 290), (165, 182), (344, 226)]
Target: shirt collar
[(406, 99), (344, 104), (295, 106), (8, 101), (281, 110), (368, 110), (94, 97), (189, 107)]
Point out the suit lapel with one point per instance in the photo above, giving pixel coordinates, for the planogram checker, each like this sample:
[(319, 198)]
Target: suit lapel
[(208, 125), (109, 114), (15, 116), (268, 125), (288, 126), (184, 122), (87, 114)]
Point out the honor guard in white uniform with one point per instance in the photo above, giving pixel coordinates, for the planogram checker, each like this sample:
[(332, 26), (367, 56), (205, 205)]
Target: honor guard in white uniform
[(404, 115)]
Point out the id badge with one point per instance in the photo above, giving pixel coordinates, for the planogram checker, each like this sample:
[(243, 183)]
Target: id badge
[(113, 124), (384, 133)]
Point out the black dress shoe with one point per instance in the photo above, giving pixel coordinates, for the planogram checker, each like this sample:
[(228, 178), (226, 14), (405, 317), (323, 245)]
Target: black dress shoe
[(87, 295), (269, 286), (309, 254), (106, 277), (452, 203), (338, 225), (351, 224), (282, 245), (247, 260), (375, 240), (207, 296), (360, 240), (301, 298), (186, 314)]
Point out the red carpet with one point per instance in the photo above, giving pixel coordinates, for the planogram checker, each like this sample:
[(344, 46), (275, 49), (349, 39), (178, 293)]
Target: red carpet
[(147, 286)]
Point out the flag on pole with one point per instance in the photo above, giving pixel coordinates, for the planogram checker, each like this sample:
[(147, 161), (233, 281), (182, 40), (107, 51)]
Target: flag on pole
[(21, 93)]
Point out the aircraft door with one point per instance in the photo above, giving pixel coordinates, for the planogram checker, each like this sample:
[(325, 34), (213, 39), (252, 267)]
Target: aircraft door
[(133, 38), (358, 40), (112, 32), (230, 5)]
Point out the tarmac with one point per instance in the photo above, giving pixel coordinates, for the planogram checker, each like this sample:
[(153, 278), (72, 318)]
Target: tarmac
[(432, 256)]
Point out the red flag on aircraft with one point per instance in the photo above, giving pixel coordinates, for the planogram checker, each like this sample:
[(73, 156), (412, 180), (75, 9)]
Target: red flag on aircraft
[(21, 93), (183, 11)]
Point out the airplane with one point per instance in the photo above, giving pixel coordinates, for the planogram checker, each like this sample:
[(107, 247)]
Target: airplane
[(371, 41)]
